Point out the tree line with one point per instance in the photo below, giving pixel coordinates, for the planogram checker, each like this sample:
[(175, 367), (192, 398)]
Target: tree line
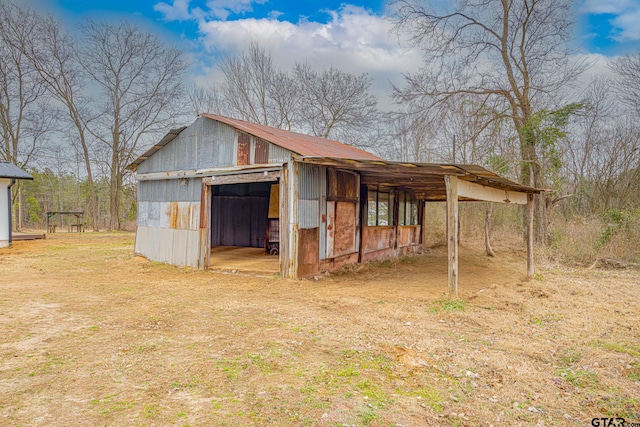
[(498, 87)]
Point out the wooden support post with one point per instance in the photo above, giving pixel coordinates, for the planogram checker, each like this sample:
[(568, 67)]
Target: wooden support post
[(530, 235), (451, 183), (204, 254), (292, 191)]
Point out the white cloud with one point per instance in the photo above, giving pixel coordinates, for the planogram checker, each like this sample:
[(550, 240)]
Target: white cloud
[(626, 17), (354, 40), (629, 26), (613, 7), (223, 8), (178, 11)]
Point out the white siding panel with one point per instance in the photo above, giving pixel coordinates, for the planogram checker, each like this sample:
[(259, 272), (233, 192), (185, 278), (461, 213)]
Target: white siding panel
[(176, 247)]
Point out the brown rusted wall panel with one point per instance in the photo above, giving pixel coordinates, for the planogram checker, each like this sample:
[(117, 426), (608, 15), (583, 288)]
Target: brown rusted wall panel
[(244, 149), (409, 235), (342, 185), (337, 262), (345, 226), (308, 258), (347, 185), (261, 151), (378, 238)]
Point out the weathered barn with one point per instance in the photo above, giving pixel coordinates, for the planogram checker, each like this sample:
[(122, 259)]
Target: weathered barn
[(319, 203), (9, 173)]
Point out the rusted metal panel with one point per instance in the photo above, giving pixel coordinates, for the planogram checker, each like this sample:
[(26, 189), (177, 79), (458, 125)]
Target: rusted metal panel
[(308, 261), (345, 228), (378, 238), (408, 235), (261, 153), (244, 150), (335, 263)]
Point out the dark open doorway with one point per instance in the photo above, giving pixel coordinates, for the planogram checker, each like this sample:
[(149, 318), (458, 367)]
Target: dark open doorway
[(239, 214)]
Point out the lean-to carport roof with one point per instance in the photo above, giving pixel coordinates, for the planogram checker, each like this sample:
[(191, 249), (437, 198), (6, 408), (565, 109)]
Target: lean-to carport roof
[(9, 170), (426, 180)]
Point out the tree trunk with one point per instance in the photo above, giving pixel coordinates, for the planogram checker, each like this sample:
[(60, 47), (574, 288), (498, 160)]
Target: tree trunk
[(487, 229), (114, 187)]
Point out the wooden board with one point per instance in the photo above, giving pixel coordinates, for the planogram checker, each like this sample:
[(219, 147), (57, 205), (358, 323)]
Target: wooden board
[(345, 227), (308, 261), (274, 202)]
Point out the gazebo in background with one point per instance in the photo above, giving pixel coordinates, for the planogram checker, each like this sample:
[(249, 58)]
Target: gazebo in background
[(9, 173)]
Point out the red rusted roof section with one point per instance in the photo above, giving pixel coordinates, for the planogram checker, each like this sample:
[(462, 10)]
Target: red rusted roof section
[(305, 145)]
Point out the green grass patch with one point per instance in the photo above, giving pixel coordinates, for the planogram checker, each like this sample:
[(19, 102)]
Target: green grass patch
[(429, 396), (570, 356), (109, 405), (634, 372), (631, 350), (375, 394), (579, 377), (367, 416), (447, 305), (232, 368), (258, 360)]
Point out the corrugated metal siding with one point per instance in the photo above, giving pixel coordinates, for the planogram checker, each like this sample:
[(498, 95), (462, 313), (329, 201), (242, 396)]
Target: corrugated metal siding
[(169, 203), (310, 181), (204, 144), (278, 154), (177, 247), (170, 190)]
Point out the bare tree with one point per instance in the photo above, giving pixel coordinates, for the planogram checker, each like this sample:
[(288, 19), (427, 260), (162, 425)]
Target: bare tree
[(338, 105), (204, 99), (24, 112), (514, 53), (140, 82), (54, 55), (255, 90), (627, 70)]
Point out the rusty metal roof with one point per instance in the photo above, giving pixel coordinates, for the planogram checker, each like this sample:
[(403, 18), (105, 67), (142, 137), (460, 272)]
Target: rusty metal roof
[(9, 170), (299, 143), (425, 179)]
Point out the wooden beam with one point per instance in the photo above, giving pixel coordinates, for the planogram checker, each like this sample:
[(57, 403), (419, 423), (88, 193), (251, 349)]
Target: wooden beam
[(266, 176), (475, 191), (530, 235), (451, 183)]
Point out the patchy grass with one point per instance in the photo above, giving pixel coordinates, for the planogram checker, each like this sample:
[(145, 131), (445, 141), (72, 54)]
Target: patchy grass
[(93, 335), (448, 305)]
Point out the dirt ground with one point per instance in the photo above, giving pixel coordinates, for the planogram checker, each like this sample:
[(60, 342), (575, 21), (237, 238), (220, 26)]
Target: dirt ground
[(92, 335)]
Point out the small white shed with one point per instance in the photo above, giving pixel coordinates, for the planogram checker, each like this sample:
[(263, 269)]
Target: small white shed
[(9, 173)]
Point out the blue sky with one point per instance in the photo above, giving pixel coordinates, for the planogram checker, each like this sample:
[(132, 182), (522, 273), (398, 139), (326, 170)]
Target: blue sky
[(353, 36), (608, 27)]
